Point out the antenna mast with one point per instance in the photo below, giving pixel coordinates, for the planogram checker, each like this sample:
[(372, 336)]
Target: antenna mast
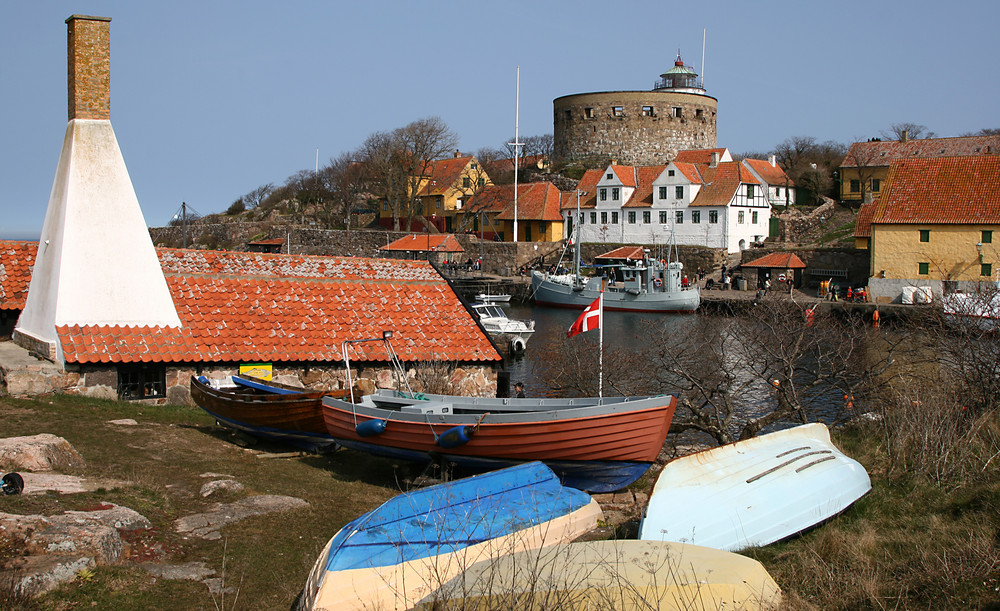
[(703, 33)]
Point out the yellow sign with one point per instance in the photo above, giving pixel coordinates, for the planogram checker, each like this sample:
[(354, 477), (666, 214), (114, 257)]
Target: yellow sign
[(261, 371)]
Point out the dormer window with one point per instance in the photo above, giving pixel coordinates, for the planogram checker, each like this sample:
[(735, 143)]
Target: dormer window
[(610, 176), (670, 172)]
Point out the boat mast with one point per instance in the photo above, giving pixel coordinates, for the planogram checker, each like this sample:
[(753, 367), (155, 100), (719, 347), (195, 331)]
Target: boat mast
[(576, 242), (516, 144)]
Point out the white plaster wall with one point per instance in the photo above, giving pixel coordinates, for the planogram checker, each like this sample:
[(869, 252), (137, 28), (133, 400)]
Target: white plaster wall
[(96, 263)]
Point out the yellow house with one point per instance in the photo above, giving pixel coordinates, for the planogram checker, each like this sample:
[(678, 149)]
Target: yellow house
[(933, 225), (441, 193), (538, 216), (865, 168)]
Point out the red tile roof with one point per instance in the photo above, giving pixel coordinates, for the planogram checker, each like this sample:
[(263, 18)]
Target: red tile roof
[(701, 157), (691, 172), (443, 174), (879, 154), (625, 174), (944, 190), (425, 242), (237, 306), (722, 182), (588, 184), (632, 253), (771, 174), (16, 261), (535, 201), (779, 260), (863, 222), (643, 194)]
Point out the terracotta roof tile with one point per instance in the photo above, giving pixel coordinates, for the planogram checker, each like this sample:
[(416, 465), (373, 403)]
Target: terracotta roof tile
[(16, 261), (952, 190), (535, 201), (782, 260), (879, 153), (257, 307), (863, 222), (771, 174), (443, 174), (425, 242), (701, 156), (643, 194), (632, 253), (722, 182)]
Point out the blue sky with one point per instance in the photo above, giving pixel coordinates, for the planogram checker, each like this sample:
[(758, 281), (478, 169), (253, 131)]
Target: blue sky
[(211, 99)]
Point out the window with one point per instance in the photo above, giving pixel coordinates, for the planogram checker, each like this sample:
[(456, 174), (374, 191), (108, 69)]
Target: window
[(604, 218), (987, 237), (631, 217), (713, 216), (670, 172), (481, 182), (618, 111), (569, 115), (699, 113), (679, 217), (593, 218), (986, 269), (466, 183), (646, 217), (609, 176), (588, 112), (647, 111), (614, 218), (741, 217), (614, 193), (663, 193), (604, 195), (663, 217), (696, 216), (777, 191), (855, 186), (473, 165), (876, 184), (923, 268), (753, 217), (439, 202), (385, 205), (925, 235), (675, 111), (147, 381), (678, 192), (749, 191)]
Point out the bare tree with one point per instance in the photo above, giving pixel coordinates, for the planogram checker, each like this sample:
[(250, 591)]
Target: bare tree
[(255, 198), (382, 155), (912, 131), (866, 159), (422, 142)]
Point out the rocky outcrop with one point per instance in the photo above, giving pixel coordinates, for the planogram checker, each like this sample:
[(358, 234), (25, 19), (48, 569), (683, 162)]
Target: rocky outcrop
[(207, 525), (44, 452)]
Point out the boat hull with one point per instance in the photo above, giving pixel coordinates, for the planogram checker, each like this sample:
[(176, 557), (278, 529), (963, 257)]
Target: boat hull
[(295, 418), (621, 574), (556, 294), (753, 492), (393, 556), (595, 447)]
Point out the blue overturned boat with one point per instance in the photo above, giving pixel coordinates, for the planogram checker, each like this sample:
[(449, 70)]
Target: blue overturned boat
[(392, 557)]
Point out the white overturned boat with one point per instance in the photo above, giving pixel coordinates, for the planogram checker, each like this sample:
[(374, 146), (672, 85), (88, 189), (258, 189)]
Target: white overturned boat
[(753, 492)]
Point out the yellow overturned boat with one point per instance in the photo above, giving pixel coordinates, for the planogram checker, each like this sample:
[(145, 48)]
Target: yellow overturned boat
[(624, 575)]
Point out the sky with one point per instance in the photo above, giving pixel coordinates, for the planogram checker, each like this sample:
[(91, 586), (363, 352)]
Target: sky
[(211, 99)]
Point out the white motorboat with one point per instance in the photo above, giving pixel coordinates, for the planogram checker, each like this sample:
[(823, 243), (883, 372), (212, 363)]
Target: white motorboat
[(495, 321), (487, 298)]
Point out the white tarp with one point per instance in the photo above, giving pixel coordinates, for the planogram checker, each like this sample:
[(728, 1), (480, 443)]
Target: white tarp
[(917, 294)]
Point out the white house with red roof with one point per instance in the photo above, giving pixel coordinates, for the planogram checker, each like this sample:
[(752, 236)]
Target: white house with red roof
[(704, 202)]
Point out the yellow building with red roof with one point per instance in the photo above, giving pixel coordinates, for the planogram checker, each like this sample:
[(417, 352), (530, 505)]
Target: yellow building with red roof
[(538, 213), (934, 225)]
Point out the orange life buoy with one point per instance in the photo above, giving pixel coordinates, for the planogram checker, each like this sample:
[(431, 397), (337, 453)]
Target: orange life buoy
[(657, 283)]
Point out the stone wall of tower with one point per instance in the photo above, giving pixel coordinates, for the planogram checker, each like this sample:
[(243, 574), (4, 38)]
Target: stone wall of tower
[(633, 127), (89, 61)]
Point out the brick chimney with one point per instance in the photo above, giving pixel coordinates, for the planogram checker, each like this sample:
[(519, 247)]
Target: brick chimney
[(89, 61), (714, 160)]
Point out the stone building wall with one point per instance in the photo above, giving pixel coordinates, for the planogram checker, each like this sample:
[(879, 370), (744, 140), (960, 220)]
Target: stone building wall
[(588, 124)]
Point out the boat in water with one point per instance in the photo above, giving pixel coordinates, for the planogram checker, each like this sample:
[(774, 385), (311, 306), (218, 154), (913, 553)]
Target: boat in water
[(514, 333), (753, 492), (626, 575), (637, 285), (488, 298), (397, 554), (266, 409)]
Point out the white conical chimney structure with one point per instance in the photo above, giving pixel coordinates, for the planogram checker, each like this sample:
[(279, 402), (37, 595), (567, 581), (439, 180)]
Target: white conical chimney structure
[(96, 264)]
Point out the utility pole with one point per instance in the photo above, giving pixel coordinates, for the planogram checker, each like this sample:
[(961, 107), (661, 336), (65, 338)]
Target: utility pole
[(516, 144)]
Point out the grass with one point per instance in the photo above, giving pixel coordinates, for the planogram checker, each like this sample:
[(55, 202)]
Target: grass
[(926, 536)]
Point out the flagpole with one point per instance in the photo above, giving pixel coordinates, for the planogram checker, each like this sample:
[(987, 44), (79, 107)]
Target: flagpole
[(600, 354)]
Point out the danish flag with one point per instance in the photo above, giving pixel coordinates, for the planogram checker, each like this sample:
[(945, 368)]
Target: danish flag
[(589, 320)]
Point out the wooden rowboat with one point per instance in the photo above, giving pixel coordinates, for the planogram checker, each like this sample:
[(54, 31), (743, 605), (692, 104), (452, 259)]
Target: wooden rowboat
[(397, 554), (266, 409), (593, 444), (753, 492), (622, 574)]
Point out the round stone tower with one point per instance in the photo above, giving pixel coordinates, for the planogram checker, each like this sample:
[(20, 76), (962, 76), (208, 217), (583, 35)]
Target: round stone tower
[(637, 127)]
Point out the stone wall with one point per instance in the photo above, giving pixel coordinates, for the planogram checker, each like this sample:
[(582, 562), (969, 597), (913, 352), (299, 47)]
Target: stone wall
[(588, 124)]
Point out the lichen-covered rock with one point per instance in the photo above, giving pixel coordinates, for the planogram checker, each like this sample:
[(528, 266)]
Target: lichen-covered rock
[(43, 452)]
